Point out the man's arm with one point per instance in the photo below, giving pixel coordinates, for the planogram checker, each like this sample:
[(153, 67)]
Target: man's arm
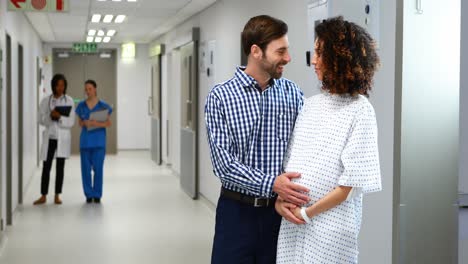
[(231, 170), (225, 165)]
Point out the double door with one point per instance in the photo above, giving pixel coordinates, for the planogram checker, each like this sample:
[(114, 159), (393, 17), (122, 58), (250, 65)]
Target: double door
[(100, 67)]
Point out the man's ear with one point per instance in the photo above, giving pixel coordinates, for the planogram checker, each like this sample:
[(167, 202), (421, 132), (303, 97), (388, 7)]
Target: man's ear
[(256, 52)]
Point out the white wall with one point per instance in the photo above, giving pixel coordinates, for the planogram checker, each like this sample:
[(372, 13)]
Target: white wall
[(133, 90), (21, 32), (463, 182), (224, 22)]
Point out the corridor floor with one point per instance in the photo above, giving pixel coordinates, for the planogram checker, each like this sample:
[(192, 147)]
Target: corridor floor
[(144, 218)]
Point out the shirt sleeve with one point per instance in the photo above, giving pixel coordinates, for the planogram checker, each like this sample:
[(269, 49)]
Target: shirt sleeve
[(109, 108), (78, 110), (44, 113), (360, 156), (226, 166)]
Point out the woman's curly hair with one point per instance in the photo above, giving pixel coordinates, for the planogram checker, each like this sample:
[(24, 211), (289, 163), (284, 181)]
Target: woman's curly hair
[(349, 57)]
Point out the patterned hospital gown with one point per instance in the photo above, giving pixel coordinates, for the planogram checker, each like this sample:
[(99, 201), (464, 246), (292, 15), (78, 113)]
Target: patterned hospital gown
[(334, 143)]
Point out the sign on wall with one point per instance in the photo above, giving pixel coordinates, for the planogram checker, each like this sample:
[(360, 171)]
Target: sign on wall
[(85, 47), (39, 5)]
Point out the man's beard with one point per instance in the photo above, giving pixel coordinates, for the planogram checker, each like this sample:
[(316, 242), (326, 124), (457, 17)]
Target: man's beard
[(272, 69)]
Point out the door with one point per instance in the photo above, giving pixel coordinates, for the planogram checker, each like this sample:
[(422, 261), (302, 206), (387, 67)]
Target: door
[(1, 145), (9, 152), (155, 110), (78, 68), (20, 122), (189, 125)]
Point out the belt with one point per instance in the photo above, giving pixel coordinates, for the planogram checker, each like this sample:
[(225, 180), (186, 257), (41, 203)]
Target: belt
[(247, 199)]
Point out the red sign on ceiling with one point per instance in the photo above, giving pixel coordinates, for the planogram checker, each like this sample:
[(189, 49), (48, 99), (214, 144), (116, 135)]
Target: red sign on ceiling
[(39, 5)]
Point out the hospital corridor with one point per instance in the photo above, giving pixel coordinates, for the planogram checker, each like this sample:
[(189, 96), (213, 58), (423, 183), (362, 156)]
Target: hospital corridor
[(143, 217), (233, 131)]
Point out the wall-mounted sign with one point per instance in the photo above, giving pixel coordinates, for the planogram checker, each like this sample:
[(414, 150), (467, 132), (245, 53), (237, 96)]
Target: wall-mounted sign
[(128, 50), (85, 47), (39, 5)]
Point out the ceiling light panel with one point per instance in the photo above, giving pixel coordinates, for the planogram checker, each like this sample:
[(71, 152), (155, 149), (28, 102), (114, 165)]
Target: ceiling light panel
[(108, 18), (91, 32), (96, 18), (111, 32), (120, 19)]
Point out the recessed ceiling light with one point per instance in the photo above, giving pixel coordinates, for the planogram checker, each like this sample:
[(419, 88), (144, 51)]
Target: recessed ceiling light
[(108, 18), (100, 33), (63, 55), (111, 32), (98, 39), (131, 0), (106, 40), (96, 18), (91, 32), (89, 39), (119, 19), (105, 55)]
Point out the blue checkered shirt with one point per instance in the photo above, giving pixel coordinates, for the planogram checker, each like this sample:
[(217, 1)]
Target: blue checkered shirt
[(248, 131)]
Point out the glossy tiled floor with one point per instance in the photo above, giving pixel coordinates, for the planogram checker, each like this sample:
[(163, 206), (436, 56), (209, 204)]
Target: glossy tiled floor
[(144, 218)]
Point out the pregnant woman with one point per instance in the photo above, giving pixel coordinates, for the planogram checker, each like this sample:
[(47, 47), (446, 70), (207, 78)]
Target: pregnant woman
[(334, 147)]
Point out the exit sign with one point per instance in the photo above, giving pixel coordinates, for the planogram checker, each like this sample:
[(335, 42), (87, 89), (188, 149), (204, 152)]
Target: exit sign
[(39, 5), (85, 47)]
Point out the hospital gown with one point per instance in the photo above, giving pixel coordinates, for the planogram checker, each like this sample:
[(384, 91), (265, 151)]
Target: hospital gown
[(334, 143)]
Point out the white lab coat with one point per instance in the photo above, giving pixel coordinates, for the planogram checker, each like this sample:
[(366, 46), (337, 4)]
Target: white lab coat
[(64, 126)]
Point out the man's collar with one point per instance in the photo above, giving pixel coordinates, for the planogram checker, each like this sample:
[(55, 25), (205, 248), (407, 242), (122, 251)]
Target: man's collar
[(249, 81)]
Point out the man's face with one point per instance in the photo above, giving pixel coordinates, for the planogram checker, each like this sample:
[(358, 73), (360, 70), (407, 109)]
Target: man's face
[(275, 57)]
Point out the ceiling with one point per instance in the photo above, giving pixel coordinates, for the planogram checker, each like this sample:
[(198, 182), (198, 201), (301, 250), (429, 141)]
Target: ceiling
[(146, 19)]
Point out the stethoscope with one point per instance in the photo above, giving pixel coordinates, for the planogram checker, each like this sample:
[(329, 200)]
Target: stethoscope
[(61, 98)]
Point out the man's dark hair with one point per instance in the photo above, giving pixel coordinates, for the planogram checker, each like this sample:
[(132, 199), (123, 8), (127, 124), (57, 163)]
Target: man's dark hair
[(57, 77), (260, 31), (92, 82)]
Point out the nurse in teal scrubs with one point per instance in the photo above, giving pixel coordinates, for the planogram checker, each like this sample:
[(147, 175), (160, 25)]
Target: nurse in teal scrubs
[(92, 142)]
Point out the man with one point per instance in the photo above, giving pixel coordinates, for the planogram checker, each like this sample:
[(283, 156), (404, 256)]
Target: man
[(249, 120), (57, 115)]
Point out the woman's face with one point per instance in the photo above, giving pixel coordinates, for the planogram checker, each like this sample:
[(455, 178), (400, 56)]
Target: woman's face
[(60, 88), (317, 61), (90, 90)]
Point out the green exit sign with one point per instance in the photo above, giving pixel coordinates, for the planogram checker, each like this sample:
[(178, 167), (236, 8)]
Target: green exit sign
[(85, 47)]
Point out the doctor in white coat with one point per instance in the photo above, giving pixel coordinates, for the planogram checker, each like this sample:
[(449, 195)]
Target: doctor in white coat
[(56, 138)]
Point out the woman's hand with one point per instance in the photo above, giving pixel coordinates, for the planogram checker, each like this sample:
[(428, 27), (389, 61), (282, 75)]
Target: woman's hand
[(92, 123), (286, 209), (88, 123), (55, 115), (297, 213)]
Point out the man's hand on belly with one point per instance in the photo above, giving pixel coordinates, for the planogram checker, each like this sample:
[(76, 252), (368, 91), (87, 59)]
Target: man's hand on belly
[(289, 191)]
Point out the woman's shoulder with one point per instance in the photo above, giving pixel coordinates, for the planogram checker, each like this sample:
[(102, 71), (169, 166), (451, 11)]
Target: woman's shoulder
[(104, 104), (69, 99), (81, 103)]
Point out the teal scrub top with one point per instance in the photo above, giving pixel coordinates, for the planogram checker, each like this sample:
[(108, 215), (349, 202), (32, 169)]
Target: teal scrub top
[(95, 138)]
